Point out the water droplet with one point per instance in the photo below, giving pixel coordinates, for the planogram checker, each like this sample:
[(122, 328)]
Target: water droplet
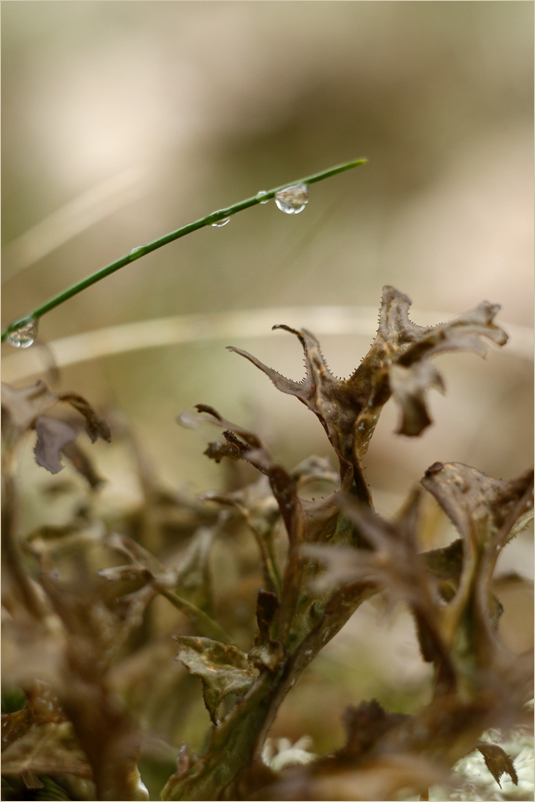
[(261, 194), (24, 335), (292, 200), (135, 251), (221, 223)]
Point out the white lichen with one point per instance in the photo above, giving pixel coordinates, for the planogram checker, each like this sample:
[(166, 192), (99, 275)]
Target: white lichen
[(281, 754)]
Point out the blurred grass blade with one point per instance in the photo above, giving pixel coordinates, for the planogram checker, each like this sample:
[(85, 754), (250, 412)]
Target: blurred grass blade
[(74, 217), (359, 320), (138, 252)]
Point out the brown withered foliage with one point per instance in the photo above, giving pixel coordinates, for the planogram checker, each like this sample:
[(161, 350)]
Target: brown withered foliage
[(96, 633)]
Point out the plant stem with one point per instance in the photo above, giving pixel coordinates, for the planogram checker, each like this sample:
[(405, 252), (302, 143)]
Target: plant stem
[(137, 253)]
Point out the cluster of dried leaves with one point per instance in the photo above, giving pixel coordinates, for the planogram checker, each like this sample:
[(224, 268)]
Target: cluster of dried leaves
[(85, 639)]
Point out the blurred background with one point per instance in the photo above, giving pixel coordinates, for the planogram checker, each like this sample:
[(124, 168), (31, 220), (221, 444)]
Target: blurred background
[(123, 121)]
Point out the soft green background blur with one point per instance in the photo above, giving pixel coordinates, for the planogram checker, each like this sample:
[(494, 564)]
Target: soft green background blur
[(196, 105)]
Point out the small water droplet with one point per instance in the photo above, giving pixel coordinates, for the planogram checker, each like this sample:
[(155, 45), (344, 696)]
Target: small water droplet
[(292, 200), (24, 335), (221, 223), (136, 250), (260, 195)]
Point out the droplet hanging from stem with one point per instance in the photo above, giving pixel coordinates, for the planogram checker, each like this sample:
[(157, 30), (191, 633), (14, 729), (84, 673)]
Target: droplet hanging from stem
[(292, 200)]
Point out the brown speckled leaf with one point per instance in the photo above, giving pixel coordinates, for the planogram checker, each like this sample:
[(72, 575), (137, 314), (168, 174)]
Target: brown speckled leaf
[(498, 762), (488, 513), (365, 725), (396, 364), (242, 444), (409, 387), (479, 506), (223, 669), (39, 738), (46, 750)]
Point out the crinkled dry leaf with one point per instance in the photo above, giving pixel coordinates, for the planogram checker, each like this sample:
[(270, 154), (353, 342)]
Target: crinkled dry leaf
[(409, 386), (246, 445), (95, 426), (25, 408), (81, 462), (223, 669), (488, 513), (393, 564), (395, 364), (479, 506), (46, 749), (39, 738), (365, 725), (53, 435), (498, 762)]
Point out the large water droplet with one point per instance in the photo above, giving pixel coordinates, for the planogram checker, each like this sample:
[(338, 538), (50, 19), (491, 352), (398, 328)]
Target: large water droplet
[(261, 194), (292, 200), (24, 335), (221, 223)]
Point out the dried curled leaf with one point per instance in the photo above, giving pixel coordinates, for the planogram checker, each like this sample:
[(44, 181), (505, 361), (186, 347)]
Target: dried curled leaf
[(488, 513), (478, 506), (185, 586), (94, 425), (498, 762), (82, 464), (304, 519), (365, 725), (39, 738), (393, 564), (409, 386), (223, 669), (53, 435), (46, 749), (25, 408), (22, 406), (242, 444), (396, 364)]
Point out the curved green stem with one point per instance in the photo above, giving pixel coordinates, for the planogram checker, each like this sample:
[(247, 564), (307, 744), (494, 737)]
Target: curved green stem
[(143, 250)]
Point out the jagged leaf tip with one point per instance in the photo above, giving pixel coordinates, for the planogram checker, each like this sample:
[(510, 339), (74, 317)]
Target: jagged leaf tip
[(396, 364)]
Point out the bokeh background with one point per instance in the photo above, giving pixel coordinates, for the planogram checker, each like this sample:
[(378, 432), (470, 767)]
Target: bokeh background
[(124, 120)]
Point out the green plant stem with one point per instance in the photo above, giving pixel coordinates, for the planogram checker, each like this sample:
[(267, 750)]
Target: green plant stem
[(143, 250), (205, 625)]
